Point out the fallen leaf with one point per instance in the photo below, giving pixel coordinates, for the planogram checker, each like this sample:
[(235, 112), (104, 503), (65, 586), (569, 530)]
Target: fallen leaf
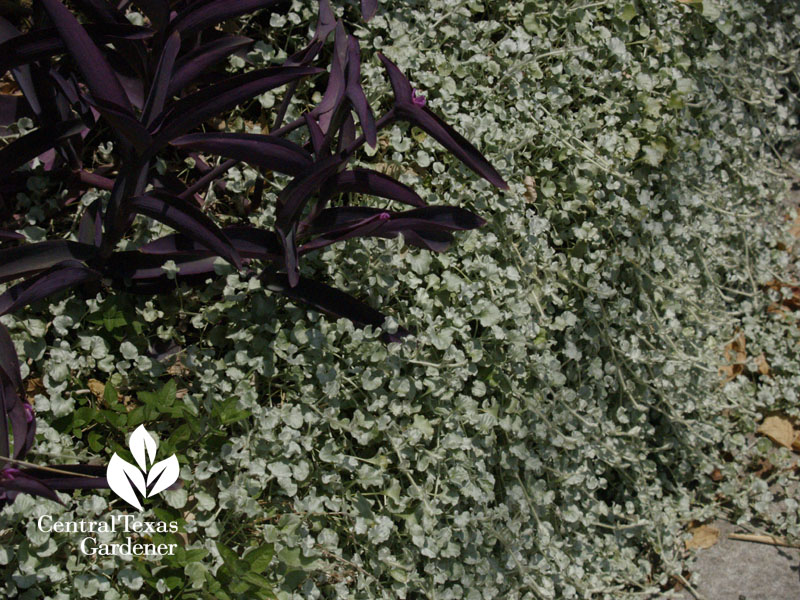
[(129, 403), (736, 358), (177, 369), (794, 230), (33, 386), (779, 429), (703, 537), (530, 189), (97, 388), (762, 365), (788, 301)]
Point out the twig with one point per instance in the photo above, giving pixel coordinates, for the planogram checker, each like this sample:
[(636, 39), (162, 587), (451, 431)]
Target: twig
[(695, 594), (761, 539), (25, 463)]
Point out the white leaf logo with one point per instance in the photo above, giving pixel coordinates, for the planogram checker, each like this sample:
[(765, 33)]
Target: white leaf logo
[(163, 475), (121, 474), (141, 440), (126, 479)]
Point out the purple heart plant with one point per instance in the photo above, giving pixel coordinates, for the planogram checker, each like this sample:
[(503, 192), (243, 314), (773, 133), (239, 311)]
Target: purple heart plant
[(153, 88)]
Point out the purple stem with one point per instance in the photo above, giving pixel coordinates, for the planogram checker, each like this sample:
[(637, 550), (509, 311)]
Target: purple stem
[(284, 106), (385, 120), (288, 127), (208, 178)]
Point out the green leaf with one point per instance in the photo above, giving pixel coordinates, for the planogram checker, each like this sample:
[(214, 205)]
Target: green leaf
[(96, 441), (86, 415), (256, 580), (229, 557), (111, 396), (628, 13), (117, 420), (530, 21), (140, 414), (214, 588), (163, 398), (173, 582), (236, 565), (259, 558), (196, 554), (293, 557), (229, 412), (294, 578)]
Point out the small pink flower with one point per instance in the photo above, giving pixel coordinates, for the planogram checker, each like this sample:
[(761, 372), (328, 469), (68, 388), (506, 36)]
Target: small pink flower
[(417, 99), (384, 216), (9, 474)]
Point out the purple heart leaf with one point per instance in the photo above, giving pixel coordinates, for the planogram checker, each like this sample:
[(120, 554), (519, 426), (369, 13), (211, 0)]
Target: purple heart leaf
[(31, 145), (374, 183), (263, 151), (202, 15), (411, 107), (195, 63), (97, 73), (41, 44), (160, 87), (23, 260), (57, 278), (355, 93), (187, 219), (368, 9), (191, 111)]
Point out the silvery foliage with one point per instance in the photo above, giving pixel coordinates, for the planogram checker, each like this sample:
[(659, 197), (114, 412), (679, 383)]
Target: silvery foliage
[(551, 429)]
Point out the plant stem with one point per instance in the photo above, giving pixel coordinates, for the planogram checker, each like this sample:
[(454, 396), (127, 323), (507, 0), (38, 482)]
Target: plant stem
[(25, 463), (208, 177)]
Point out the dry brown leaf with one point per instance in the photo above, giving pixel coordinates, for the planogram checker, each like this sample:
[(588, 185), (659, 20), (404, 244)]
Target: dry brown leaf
[(97, 388), (794, 230), (177, 369), (792, 302), (703, 537), (33, 386), (530, 189), (735, 356), (779, 429), (762, 365), (128, 402), (9, 88)]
